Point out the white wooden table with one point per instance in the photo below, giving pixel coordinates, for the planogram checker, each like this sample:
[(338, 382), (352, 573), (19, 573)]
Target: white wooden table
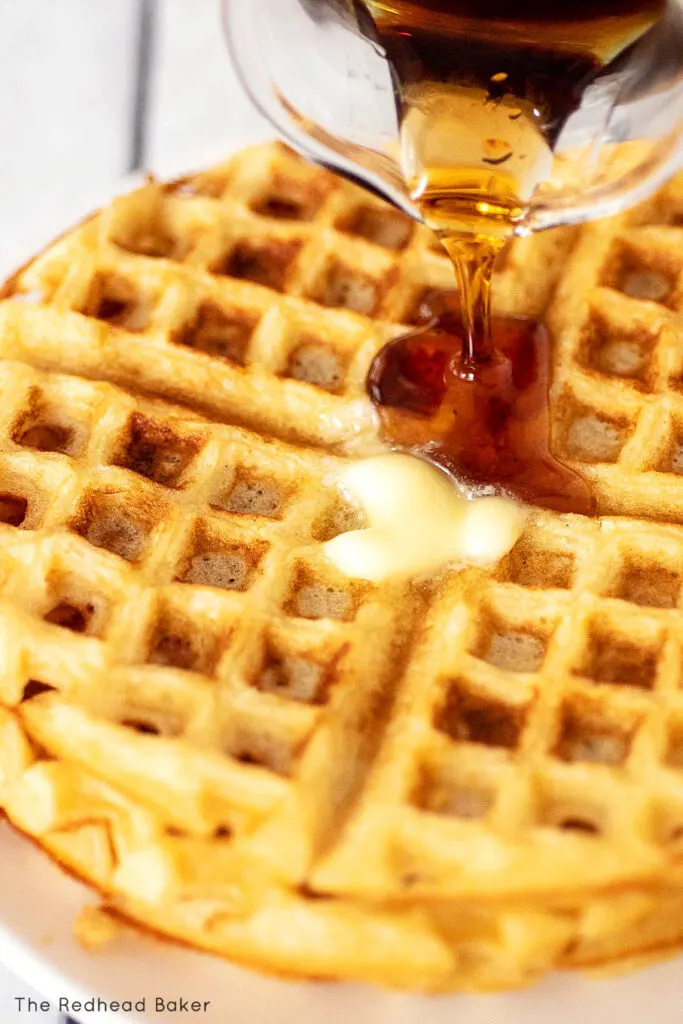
[(89, 91), (83, 101)]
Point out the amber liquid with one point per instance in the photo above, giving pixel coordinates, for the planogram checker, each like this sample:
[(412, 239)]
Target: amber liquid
[(488, 427), (483, 91)]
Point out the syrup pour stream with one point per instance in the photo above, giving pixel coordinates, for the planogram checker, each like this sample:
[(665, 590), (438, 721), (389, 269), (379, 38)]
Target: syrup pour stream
[(468, 391)]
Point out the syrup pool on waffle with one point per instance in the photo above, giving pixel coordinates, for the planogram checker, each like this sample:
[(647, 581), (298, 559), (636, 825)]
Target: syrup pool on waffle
[(483, 91)]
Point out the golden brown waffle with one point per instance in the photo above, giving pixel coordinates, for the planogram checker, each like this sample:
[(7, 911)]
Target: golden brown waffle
[(533, 746), (151, 542), (456, 783), (618, 395), (258, 292)]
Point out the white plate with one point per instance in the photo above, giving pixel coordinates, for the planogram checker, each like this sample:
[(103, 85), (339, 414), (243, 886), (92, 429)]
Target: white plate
[(39, 903)]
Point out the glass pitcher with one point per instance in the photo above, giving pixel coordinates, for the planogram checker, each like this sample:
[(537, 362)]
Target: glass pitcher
[(313, 68)]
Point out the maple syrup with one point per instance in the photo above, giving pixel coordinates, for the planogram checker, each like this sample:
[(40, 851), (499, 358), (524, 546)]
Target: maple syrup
[(487, 424), (483, 91)]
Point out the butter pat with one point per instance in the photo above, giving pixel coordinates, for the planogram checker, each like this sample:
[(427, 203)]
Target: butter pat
[(417, 521)]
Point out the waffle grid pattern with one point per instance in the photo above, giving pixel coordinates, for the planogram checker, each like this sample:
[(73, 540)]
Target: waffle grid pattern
[(618, 403), (198, 609), (455, 783), (261, 290), (539, 725)]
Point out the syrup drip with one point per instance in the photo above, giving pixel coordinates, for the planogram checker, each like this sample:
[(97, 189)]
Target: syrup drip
[(484, 419), (483, 90), (473, 260)]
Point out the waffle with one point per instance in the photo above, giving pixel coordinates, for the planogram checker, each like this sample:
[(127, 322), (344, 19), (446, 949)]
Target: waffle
[(442, 784), (258, 292)]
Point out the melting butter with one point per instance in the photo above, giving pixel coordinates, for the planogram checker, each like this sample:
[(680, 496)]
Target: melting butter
[(418, 521)]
